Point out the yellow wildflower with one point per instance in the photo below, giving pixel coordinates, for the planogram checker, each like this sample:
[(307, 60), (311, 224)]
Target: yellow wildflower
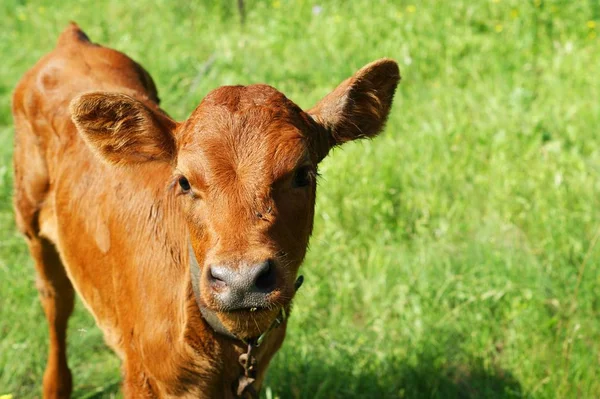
[(499, 28), (514, 13), (411, 8), (591, 24), (276, 4)]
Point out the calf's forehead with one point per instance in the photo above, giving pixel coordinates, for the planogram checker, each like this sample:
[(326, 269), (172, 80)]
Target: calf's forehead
[(239, 98), (243, 132)]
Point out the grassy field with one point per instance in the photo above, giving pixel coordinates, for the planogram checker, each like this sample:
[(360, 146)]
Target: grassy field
[(455, 256)]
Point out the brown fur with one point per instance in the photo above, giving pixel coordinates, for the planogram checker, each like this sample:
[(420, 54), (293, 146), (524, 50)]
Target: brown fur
[(96, 167)]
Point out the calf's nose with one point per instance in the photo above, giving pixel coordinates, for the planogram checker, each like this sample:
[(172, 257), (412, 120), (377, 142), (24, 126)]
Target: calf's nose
[(244, 287)]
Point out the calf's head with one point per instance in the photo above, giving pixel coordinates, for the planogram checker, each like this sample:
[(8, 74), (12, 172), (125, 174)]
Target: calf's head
[(244, 172)]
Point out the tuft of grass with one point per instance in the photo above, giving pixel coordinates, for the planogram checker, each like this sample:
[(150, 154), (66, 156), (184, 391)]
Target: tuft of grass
[(456, 255)]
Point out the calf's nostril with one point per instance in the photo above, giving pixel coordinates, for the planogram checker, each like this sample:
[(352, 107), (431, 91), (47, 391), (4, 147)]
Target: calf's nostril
[(265, 281), (218, 275)]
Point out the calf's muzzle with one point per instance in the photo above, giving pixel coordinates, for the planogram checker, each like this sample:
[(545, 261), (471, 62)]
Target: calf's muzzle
[(244, 287)]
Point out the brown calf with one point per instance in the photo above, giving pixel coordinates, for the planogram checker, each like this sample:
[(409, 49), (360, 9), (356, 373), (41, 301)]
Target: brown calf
[(183, 239)]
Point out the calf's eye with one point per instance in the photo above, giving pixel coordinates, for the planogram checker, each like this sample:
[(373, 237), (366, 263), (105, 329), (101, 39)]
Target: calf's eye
[(184, 184), (302, 176)]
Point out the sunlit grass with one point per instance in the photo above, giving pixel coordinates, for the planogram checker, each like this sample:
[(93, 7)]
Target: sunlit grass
[(454, 256)]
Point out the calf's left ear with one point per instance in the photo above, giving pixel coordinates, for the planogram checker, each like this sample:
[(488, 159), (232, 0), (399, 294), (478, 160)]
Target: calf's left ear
[(122, 129), (357, 108)]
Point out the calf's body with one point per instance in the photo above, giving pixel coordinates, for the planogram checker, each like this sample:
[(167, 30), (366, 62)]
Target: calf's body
[(116, 201)]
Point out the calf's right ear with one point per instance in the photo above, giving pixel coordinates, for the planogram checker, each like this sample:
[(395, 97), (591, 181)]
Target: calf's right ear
[(358, 108), (122, 130)]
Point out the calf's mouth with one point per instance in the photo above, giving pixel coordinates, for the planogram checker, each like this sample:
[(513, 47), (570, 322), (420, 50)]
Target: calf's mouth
[(236, 308)]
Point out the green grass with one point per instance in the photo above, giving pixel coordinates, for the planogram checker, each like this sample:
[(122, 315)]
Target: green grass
[(454, 256)]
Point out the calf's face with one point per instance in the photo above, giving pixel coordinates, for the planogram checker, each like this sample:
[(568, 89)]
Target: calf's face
[(244, 172)]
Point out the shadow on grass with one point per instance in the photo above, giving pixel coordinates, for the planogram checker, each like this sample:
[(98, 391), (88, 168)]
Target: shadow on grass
[(426, 377)]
